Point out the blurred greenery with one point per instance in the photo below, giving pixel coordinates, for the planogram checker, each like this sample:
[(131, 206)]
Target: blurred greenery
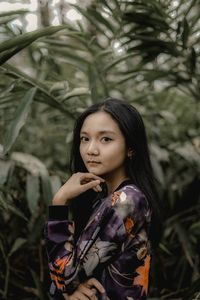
[(146, 52)]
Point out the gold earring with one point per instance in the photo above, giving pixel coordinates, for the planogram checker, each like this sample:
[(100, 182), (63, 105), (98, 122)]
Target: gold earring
[(130, 156)]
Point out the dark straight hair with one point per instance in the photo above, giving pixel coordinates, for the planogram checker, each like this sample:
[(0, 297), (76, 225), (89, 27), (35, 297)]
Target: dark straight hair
[(139, 168)]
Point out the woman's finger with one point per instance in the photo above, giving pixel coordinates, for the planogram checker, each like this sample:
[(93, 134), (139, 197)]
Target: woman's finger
[(93, 298), (94, 294), (85, 290), (86, 180), (94, 290), (80, 296), (71, 297), (96, 283), (97, 188), (90, 185), (89, 176)]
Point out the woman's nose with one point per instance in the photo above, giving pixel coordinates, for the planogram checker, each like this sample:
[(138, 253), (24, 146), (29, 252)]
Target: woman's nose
[(92, 148)]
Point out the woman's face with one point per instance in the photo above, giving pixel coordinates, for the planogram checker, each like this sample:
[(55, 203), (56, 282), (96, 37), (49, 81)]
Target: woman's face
[(102, 141)]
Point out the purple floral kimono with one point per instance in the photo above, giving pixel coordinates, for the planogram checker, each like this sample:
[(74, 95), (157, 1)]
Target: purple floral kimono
[(114, 246)]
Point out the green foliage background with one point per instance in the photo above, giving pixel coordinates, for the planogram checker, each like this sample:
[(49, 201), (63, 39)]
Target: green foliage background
[(146, 52)]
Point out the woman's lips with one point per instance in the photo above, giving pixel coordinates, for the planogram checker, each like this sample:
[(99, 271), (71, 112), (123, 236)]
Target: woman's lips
[(93, 162)]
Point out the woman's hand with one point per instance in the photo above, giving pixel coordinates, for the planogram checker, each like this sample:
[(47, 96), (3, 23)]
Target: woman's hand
[(86, 290), (76, 185)]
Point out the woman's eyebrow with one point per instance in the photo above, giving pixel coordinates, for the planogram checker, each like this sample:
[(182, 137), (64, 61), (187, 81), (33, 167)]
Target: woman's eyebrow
[(100, 132)]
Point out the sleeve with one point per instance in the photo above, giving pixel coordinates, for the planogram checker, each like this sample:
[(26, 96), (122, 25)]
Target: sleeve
[(59, 242), (116, 227), (126, 275)]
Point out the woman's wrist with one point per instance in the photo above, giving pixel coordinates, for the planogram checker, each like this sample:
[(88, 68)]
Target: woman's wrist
[(59, 200)]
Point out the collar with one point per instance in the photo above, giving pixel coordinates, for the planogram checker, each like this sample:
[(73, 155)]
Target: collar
[(123, 183), (104, 191)]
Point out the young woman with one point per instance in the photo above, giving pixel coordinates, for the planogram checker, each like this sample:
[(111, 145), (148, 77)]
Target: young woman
[(104, 251)]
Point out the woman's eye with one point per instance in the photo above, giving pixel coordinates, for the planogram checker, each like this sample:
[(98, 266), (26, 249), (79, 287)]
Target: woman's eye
[(107, 139), (82, 138)]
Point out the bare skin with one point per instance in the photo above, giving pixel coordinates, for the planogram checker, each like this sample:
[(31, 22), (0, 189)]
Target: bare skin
[(77, 184), (86, 290), (102, 141)]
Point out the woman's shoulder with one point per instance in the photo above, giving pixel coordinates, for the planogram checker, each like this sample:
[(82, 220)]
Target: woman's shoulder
[(133, 189), (130, 195), (130, 190)]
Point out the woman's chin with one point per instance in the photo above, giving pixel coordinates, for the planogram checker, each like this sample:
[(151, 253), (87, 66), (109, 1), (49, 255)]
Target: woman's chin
[(95, 172)]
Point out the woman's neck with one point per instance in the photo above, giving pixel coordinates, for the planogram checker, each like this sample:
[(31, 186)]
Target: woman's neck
[(112, 184)]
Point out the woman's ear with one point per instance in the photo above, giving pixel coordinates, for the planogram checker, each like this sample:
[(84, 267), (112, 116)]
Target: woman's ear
[(130, 153)]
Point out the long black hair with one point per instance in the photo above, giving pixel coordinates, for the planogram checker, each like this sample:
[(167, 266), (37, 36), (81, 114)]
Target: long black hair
[(139, 169)]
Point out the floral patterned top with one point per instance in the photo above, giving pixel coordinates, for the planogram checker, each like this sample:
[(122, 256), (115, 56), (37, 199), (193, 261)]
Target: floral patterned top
[(114, 246)]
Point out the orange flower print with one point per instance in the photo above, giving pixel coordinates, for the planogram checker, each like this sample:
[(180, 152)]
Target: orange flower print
[(129, 224), (57, 271), (115, 197), (59, 284), (143, 275)]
